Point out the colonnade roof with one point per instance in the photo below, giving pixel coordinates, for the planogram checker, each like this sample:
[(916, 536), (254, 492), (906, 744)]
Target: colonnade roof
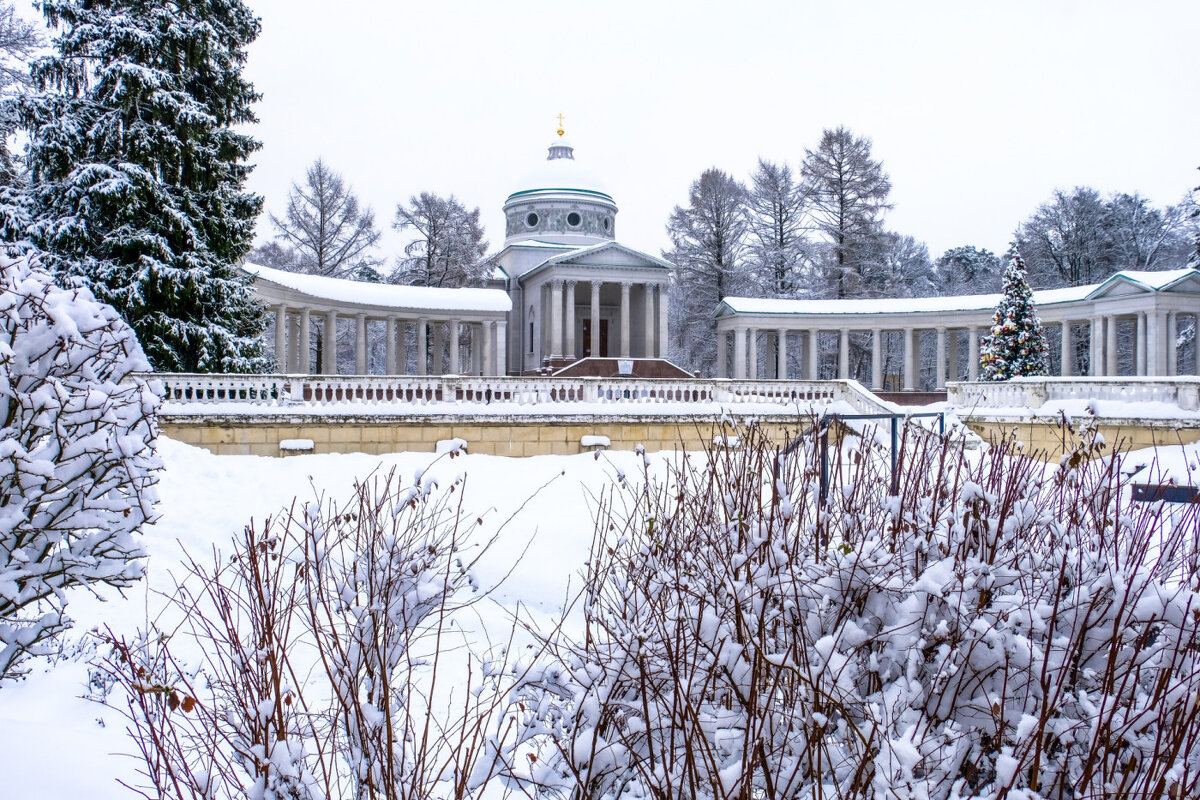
[(1122, 283), (276, 285)]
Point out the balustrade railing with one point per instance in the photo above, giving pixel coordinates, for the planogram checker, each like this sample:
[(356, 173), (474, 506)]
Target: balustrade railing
[(320, 391), (1033, 393)]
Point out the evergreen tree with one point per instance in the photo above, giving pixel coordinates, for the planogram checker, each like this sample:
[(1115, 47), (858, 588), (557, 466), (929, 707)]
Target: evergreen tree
[(1016, 346), (137, 177)]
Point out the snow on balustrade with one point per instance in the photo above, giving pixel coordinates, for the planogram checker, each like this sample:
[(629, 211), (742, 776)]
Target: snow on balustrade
[(1129, 397), (358, 394)]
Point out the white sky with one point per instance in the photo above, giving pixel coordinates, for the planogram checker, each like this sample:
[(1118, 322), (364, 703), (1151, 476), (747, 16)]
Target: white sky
[(978, 110)]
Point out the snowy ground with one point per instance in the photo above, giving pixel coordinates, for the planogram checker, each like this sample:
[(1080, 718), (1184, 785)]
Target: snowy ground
[(54, 743)]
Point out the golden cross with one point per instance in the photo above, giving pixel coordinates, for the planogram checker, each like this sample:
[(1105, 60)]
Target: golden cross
[(560, 124)]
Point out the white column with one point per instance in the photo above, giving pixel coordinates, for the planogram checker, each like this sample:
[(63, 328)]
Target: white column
[(910, 360), (360, 344), (294, 343), (1154, 343), (1139, 344), (739, 353), (876, 359), (722, 345), (625, 287), (329, 344), (1110, 346), (844, 354), (1196, 342), (939, 367), (952, 371), (392, 369), (454, 349), (479, 339), (814, 354), (1097, 347), (752, 361), (304, 345), (487, 348), (281, 355), (570, 300), (781, 354), (437, 365), (595, 321), (501, 348), (556, 318), (1065, 352), (422, 333), (663, 336), (648, 321), (972, 354), (1172, 343)]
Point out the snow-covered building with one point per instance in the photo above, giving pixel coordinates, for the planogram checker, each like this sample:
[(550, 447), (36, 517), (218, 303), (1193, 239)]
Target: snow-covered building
[(419, 319), (576, 291), (571, 291), (1148, 310)]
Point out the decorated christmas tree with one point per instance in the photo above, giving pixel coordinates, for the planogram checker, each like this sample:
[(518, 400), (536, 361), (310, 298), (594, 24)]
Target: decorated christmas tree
[(1016, 345)]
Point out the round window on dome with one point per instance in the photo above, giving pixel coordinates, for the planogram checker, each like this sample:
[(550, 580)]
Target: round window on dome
[(573, 219), (607, 223), (531, 220)]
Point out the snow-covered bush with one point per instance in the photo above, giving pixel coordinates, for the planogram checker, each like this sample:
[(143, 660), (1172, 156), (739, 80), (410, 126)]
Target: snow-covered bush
[(995, 628), (308, 662), (77, 461)]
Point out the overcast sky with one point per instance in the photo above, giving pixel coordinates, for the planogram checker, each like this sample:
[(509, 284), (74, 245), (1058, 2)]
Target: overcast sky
[(977, 110)]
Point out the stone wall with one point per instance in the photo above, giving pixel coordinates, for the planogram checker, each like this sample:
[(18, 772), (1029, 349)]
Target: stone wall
[(1044, 436), (261, 435)]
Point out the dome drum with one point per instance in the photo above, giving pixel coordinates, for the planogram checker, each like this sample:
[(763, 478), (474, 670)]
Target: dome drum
[(562, 219)]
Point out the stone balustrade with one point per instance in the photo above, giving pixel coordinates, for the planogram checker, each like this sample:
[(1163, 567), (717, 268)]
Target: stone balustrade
[(313, 392), (1036, 392)]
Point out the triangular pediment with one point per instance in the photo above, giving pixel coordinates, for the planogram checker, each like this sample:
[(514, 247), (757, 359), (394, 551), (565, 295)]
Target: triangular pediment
[(610, 254), (1188, 284), (1119, 286)]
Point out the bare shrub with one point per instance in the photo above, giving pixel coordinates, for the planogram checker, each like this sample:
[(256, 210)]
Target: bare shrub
[(990, 628), (314, 657)]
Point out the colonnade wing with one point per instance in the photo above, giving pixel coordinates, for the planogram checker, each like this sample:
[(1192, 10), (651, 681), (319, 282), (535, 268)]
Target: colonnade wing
[(1134, 323), (394, 328)]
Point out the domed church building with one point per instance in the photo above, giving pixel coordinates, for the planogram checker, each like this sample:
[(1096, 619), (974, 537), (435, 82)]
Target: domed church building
[(577, 293)]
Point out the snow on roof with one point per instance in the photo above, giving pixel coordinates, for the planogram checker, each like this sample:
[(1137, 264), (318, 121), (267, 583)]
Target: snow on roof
[(383, 295), (1155, 281)]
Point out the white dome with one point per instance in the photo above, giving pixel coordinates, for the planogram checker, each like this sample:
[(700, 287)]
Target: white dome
[(560, 173)]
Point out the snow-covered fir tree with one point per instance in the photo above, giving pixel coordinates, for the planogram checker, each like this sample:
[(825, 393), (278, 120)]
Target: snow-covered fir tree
[(138, 176), (1016, 345)]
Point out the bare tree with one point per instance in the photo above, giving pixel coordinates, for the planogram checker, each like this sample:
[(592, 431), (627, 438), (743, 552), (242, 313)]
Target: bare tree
[(1064, 241), (707, 238), (448, 250), (325, 225), (777, 246), (1143, 237), (847, 192)]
